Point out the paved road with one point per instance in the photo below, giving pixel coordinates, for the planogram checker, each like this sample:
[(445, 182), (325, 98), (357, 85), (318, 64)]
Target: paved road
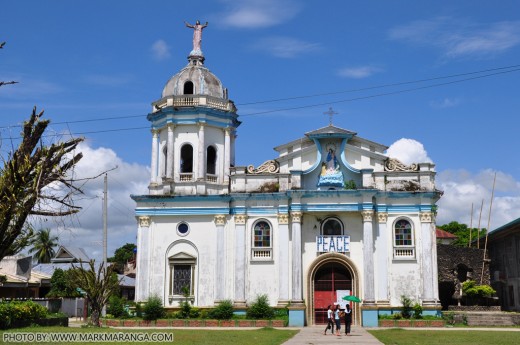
[(314, 335)]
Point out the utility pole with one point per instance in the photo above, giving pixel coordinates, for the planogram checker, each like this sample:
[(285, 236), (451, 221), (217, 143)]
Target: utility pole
[(105, 206)]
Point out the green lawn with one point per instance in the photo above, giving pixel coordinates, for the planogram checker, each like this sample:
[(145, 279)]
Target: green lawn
[(181, 336), (445, 337)]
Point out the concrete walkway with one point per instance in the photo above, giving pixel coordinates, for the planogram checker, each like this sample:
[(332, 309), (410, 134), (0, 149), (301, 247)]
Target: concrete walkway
[(314, 335)]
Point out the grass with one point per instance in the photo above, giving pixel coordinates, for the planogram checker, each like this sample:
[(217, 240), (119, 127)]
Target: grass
[(445, 337), (268, 336)]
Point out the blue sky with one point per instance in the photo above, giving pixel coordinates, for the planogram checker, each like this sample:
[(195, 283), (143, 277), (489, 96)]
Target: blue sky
[(107, 61)]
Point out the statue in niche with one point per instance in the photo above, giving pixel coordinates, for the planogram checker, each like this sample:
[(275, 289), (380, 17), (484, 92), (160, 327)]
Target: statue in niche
[(331, 174)]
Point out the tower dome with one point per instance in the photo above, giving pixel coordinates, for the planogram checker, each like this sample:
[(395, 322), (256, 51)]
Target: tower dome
[(194, 79)]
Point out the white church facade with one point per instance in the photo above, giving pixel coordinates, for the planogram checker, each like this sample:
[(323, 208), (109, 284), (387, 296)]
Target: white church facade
[(330, 216)]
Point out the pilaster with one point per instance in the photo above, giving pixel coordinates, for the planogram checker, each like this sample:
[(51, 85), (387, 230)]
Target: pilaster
[(240, 260), (368, 257)]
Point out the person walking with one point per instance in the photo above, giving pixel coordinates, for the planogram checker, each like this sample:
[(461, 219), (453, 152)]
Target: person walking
[(348, 319), (330, 321), (337, 319)]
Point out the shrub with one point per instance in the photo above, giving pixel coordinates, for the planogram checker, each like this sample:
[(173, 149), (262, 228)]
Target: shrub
[(153, 308), (194, 313), (116, 307), (407, 307), (185, 311), (260, 309), (471, 289), (13, 312), (417, 311), (224, 311)]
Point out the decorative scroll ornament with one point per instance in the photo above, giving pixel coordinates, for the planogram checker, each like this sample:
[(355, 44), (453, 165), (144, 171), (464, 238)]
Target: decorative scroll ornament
[(269, 167), (220, 219), (240, 218), (392, 164), (426, 217), (144, 222), (296, 217), (367, 215), (283, 218), (382, 217)]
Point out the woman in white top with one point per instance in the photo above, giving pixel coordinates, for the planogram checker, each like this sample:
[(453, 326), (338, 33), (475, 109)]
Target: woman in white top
[(330, 321)]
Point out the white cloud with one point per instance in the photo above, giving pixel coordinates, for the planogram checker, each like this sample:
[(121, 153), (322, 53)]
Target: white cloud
[(160, 50), (85, 228), (462, 188), (445, 103), (285, 47), (408, 151), (258, 13), (459, 38), (358, 72)]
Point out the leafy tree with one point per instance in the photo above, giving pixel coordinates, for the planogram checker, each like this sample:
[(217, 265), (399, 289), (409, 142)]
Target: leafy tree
[(35, 180), (98, 284), (61, 285), (43, 246), (462, 231), (122, 255)]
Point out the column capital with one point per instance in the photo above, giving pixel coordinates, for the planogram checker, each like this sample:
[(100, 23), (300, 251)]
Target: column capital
[(171, 126), (144, 221), (240, 218), (155, 132), (201, 125), (367, 215), (296, 217), (220, 219), (227, 130), (283, 218), (382, 217), (426, 217)]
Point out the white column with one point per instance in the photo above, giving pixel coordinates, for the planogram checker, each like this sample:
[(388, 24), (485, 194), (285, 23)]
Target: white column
[(142, 288), (297, 288), (240, 260), (155, 153), (220, 262), (227, 155), (283, 259), (169, 159), (427, 248), (368, 257), (202, 153), (382, 257)]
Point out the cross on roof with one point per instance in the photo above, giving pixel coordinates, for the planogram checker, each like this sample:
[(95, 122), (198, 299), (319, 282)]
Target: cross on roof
[(330, 113)]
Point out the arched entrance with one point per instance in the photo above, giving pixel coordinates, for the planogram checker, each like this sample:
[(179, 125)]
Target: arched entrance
[(329, 279), (330, 275)]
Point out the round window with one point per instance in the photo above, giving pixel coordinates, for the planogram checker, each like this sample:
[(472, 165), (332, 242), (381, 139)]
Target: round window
[(183, 229)]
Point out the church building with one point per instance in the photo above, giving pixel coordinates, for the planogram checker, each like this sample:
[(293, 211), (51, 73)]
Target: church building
[(329, 216)]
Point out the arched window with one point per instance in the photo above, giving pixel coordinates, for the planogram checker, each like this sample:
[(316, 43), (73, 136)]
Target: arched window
[(188, 88), (187, 159), (403, 240), (262, 241), (211, 160), (332, 227)]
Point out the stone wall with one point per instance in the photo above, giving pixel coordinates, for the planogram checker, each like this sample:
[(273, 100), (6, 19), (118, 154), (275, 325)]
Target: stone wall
[(452, 258)]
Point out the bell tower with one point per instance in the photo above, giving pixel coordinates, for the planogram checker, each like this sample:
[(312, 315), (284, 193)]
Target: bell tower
[(193, 130)]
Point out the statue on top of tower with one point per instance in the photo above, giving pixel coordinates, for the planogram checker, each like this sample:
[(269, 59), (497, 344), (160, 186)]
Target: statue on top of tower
[(197, 35)]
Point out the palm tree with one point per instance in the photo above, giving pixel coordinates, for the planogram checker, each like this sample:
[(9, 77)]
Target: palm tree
[(43, 246)]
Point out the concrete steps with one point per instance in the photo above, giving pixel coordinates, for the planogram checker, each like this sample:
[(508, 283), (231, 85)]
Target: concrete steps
[(489, 319)]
